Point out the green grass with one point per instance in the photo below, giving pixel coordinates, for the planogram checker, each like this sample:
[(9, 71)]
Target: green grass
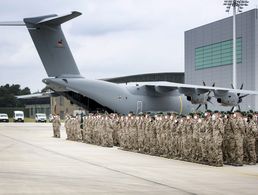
[(26, 120), (29, 120)]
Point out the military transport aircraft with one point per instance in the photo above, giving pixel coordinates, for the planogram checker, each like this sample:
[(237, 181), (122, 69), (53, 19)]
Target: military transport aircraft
[(65, 79)]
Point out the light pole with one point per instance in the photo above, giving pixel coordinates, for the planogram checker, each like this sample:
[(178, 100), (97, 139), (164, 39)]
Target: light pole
[(237, 5)]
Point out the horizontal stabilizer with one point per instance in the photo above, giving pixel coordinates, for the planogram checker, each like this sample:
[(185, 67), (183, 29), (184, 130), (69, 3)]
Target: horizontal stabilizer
[(13, 23), (52, 19)]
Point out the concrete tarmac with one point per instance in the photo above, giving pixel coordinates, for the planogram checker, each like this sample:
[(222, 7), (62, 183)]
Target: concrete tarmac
[(33, 162)]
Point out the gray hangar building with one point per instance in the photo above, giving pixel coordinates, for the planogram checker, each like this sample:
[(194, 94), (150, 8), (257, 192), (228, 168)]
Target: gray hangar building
[(208, 54)]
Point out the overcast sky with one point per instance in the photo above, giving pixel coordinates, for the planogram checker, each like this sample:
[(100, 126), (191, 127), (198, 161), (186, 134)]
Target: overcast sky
[(112, 37)]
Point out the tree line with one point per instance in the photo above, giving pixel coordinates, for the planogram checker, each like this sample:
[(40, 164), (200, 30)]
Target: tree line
[(8, 93)]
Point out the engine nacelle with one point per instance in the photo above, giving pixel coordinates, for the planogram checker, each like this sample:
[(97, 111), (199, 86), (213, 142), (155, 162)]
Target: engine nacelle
[(198, 98), (230, 99)]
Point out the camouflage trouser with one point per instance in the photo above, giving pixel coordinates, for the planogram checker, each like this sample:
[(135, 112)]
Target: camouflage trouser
[(79, 134), (67, 130), (88, 137), (224, 151), (83, 131), (230, 150), (251, 151), (218, 155), (239, 153), (115, 137), (73, 135), (57, 132), (140, 143), (256, 149), (203, 150), (153, 146)]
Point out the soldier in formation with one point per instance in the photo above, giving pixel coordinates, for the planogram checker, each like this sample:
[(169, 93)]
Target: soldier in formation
[(56, 123), (211, 138)]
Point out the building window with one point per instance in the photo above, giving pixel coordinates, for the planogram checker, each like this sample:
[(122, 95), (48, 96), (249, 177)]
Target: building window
[(217, 54)]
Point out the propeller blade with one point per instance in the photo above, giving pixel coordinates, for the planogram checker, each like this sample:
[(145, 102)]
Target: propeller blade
[(242, 86), (198, 107), (206, 107), (204, 84), (232, 109), (239, 108), (243, 96), (232, 86), (238, 94), (213, 85)]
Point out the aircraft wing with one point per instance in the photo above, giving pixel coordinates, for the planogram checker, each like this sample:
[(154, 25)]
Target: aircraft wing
[(188, 89)]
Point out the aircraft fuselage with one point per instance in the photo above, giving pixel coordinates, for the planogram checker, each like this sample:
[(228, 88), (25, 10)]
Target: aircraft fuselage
[(122, 98)]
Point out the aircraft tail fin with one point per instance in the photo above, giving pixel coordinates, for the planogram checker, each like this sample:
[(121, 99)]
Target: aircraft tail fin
[(50, 42)]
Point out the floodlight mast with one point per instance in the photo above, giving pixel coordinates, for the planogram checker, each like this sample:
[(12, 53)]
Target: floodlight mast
[(240, 5)]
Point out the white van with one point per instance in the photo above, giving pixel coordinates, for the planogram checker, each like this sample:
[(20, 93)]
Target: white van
[(18, 116), (4, 117), (40, 117)]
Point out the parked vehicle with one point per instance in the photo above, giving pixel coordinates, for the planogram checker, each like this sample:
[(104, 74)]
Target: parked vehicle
[(40, 117), (18, 116), (4, 118)]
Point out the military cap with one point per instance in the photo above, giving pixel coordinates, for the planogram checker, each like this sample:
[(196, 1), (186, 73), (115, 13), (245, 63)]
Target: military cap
[(216, 111), (250, 116), (208, 111), (197, 113), (191, 114), (244, 113)]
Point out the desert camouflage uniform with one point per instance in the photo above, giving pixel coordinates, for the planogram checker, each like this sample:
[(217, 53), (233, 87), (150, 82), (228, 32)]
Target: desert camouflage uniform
[(56, 126), (189, 135), (141, 127), (249, 142), (67, 128), (238, 127), (218, 133), (228, 143)]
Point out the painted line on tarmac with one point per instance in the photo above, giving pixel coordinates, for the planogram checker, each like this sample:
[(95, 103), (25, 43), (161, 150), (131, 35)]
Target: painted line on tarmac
[(97, 165)]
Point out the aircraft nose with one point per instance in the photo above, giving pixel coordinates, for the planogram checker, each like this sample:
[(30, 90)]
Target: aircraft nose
[(46, 81)]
